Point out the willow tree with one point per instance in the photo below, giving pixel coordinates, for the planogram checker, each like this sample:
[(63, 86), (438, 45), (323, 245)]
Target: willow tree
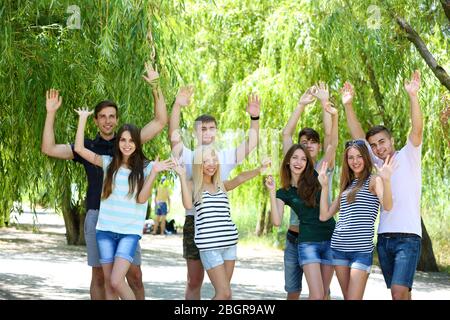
[(280, 49), (90, 52)]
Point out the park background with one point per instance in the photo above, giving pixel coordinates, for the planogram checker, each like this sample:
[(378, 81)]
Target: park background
[(95, 50)]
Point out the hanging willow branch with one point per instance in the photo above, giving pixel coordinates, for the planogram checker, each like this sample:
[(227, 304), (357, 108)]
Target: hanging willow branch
[(412, 36)]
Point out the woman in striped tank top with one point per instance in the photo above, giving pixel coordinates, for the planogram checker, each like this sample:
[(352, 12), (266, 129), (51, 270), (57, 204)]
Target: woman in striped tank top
[(361, 194), (127, 186), (216, 235)]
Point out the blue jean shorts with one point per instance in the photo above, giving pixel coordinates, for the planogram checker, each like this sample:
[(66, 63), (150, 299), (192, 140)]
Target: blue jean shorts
[(293, 273), (216, 257), (315, 252), (161, 208), (399, 255), (90, 235), (353, 259), (112, 245)]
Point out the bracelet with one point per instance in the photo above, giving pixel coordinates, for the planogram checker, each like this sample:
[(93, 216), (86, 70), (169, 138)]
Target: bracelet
[(254, 118)]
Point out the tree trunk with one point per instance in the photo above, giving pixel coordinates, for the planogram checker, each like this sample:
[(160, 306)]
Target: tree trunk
[(412, 36), (73, 218), (446, 6), (427, 261), (268, 226), (261, 222)]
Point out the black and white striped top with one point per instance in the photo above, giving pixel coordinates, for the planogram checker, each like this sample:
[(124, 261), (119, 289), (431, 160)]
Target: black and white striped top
[(356, 225), (213, 226)]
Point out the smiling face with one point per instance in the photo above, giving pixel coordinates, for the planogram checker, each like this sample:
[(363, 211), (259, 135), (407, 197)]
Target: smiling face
[(297, 162), (106, 121), (126, 144), (355, 161), (206, 132), (311, 145), (210, 163), (382, 144)]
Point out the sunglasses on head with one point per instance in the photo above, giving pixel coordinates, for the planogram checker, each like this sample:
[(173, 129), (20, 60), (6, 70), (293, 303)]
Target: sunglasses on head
[(355, 142)]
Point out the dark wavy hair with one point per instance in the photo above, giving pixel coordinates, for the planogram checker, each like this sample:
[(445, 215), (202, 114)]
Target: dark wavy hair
[(308, 184), (136, 163)]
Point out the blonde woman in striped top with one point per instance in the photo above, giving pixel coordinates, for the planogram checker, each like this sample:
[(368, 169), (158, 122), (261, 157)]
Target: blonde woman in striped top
[(216, 235)]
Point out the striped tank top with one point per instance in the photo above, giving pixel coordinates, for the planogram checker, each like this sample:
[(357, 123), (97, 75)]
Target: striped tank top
[(214, 228), (356, 225)]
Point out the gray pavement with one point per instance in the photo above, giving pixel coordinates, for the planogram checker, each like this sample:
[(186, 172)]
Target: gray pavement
[(41, 266)]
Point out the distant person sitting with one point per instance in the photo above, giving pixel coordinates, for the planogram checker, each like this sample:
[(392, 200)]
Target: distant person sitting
[(162, 206)]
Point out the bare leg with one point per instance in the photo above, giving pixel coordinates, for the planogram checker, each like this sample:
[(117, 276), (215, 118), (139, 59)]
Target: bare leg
[(119, 270), (357, 284), (97, 289), (163, 224), (219, 279), (134, 278), (195, 276), (313, 276), (343, 276), (110, 293)]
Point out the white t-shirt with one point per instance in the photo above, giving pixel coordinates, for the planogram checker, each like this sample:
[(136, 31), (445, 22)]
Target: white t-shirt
[(406, 184), (227, 160)]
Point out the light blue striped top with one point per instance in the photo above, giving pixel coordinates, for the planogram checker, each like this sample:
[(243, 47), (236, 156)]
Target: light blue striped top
[(121, 213)]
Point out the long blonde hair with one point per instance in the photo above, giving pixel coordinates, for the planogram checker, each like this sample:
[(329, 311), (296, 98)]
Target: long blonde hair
[(200, 154)]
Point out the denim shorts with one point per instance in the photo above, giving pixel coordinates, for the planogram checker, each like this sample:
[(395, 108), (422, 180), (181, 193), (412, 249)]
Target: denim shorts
[(112, 244), (399, 255), (161, 208), (293, 273), (353, 259), (216, 257), (315, 252), (90, 235)]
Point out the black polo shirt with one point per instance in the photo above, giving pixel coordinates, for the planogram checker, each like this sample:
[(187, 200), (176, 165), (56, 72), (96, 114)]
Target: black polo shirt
[(94, 173)]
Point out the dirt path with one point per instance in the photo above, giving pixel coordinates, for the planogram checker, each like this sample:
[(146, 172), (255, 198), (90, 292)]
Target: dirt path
[(42, 266)]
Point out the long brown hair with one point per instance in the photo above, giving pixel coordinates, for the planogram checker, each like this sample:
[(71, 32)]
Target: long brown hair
[(136, 163), (308, 185), (347, 174)]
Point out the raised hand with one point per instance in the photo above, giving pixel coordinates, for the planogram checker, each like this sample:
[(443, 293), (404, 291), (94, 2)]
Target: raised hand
[(347, 93), (84, 112), (253, 106), (184, 96), (265, 164), (270, 183), (413, 86), (307, 97), (385, 171), (163, 165), (53, 100), (152, 76), (179, 168), (320, 91), (329, 107), (323, 178)]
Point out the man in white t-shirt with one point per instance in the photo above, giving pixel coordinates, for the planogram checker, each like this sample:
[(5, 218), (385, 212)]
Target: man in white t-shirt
[(399, 231), (205, 128)]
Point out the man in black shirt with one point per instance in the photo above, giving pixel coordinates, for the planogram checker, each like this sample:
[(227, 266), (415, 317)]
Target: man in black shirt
[(106, 119)]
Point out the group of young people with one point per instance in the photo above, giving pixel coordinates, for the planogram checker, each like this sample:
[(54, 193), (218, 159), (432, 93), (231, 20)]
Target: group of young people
[(374, 178)]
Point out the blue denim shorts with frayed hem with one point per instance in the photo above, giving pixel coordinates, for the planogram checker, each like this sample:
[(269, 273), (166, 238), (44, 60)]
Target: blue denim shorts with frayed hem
[(112, 245), (353, 259), (315, 252), (216, 257)]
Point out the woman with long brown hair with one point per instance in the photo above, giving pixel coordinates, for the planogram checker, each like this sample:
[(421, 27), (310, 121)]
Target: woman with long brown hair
[(128, 177), (300, 189), (360, 196)]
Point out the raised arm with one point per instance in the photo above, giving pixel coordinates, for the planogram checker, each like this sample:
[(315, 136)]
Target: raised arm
[(276, 205), (85, 153), (353, 123), (289, 129), (157, 167), (383, 183), (253, 109), (246, 175), (186, 186), (156, 125), (49, 147), (412, 88), (321, 92), (330, 151), (183, 99), (326, 211)]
